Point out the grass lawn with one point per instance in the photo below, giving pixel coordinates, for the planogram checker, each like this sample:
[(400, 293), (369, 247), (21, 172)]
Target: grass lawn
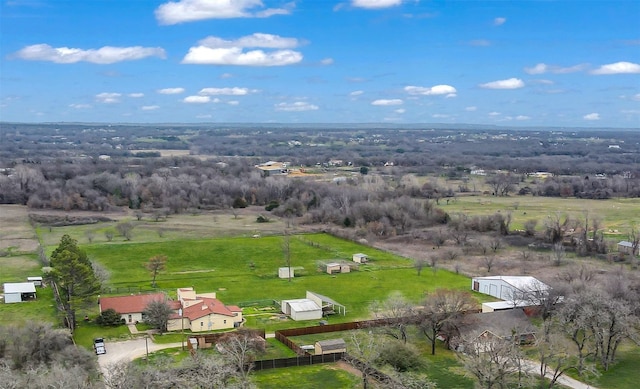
[(241, 270), (624, 374), (275, 349), (86, 332), (42, 309), (306, 377)]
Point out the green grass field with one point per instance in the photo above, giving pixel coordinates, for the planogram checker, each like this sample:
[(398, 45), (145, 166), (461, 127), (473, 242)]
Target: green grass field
[(241, 270), (306, 377)]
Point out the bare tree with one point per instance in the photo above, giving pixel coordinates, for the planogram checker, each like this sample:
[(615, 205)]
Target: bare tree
[(365, 349), (443, 314), (558, 255), (90, 234), (419, 264), (109, 234), (241, 348), (398, 311), (530, 227), (489, 261), (125, 229), (157, 314), (286, 252), (155, 265), (493, 361)]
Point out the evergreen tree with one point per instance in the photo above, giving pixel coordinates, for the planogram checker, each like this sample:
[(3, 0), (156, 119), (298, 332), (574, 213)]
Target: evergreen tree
[(73, 275)]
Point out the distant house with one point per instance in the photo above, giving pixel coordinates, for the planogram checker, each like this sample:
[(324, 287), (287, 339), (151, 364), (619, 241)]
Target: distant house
[(285, 272), (203, 312), (360, 258), (273, 168), (508, 287), (17, 292), (330, 346), (301, 309), (130, 308), (503, 325), (627, 248)]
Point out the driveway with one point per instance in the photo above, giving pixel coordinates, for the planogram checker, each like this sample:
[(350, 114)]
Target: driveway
[(128, 350), (534, 368)]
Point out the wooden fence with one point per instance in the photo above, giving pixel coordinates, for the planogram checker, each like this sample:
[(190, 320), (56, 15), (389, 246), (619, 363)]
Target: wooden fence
[(306, 360)]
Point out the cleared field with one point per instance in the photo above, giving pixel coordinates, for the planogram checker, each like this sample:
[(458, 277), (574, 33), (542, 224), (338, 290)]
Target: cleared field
[(242, 270), (307, 377), (616, 214), (16, 234)]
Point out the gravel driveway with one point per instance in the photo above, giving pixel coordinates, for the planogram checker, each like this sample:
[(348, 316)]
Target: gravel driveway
[(129, 350)]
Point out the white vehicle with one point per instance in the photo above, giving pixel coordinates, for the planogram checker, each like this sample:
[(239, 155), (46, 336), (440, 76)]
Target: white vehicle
[(98, 345)]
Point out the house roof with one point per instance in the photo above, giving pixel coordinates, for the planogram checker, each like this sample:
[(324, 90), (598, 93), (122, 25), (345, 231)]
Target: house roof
[(519, 282), (209, 306), (19, 287), (303, 305), (130, 304), (332, 344), (501, 323), (359, 255), (624, 243)]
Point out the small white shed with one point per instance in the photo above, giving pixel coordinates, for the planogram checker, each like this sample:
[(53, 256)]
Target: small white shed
[(301, 309), (283, 272), (330, 346), (17, 292), (37, 281), (360, 258)]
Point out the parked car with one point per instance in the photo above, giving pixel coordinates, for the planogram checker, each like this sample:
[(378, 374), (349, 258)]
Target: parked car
[(98, 346)]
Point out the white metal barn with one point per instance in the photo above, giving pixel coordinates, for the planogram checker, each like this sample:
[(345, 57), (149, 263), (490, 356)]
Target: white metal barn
[(17, 292), (301, 309), (360, 258), (507, 287)]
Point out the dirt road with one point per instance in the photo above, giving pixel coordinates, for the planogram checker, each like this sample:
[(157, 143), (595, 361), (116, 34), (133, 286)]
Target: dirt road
[(129, 350)]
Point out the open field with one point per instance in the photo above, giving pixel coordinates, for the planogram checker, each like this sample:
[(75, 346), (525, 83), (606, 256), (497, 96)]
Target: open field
[(616, 214), (241, 270), (16, 235), (307, 377)]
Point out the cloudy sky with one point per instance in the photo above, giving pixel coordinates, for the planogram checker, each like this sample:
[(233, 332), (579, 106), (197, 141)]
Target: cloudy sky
[(512, 63)]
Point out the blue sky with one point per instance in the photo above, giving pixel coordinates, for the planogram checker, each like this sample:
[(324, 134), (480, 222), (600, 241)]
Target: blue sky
[(511, 63)]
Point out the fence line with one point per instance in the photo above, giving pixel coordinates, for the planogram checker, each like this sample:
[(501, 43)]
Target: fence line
[(306, 360)]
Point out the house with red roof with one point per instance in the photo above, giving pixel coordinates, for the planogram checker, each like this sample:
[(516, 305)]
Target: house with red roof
[(130, 308), (203, 312)]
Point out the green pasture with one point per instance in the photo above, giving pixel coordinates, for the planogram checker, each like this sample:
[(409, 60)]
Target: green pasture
[(616, 214), (306, 377), (42, 309), (241, 270), (86, 331)]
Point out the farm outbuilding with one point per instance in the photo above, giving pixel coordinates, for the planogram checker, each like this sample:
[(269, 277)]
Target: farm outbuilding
[(330, 346), (329, 306), (301, 309), (333, 267), (360, 258), (17, 292), (37, 281), (626, 247), (508, 287), (285, 272)]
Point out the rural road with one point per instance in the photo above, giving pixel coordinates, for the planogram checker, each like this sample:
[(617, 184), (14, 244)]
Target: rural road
[(533, 367)]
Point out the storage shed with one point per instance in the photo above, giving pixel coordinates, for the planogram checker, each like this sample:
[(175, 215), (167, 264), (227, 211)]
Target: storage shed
[(626, 247), (508, 287), (330, 346), (333, 267), (360, 258), (285, 272), (301, 309), (17, 292), (37, 281)]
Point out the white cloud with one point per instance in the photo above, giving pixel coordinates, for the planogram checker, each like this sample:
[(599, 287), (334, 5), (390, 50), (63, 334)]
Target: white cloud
[(511, 83), (356, 93), (375, 4), (217, 51), (174, 12), (233, 102), (523, 117), (499, 21), (226, 75), (592, 116), (136, 95), (235, 91), (102, 56), (542, 68), (150, 107), (108, 98), (387, 102), (400, 110), (197, 99), (327, 61), (80, 106), (618, 68), (636, 97), (257, 39), (471, 109), (205, 116), (436, 90), (494, 114), (439, 116), (298, 106), (171, 91)]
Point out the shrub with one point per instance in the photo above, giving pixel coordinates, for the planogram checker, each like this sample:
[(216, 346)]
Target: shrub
[(109, 318), (262, 219), (272, 205)]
